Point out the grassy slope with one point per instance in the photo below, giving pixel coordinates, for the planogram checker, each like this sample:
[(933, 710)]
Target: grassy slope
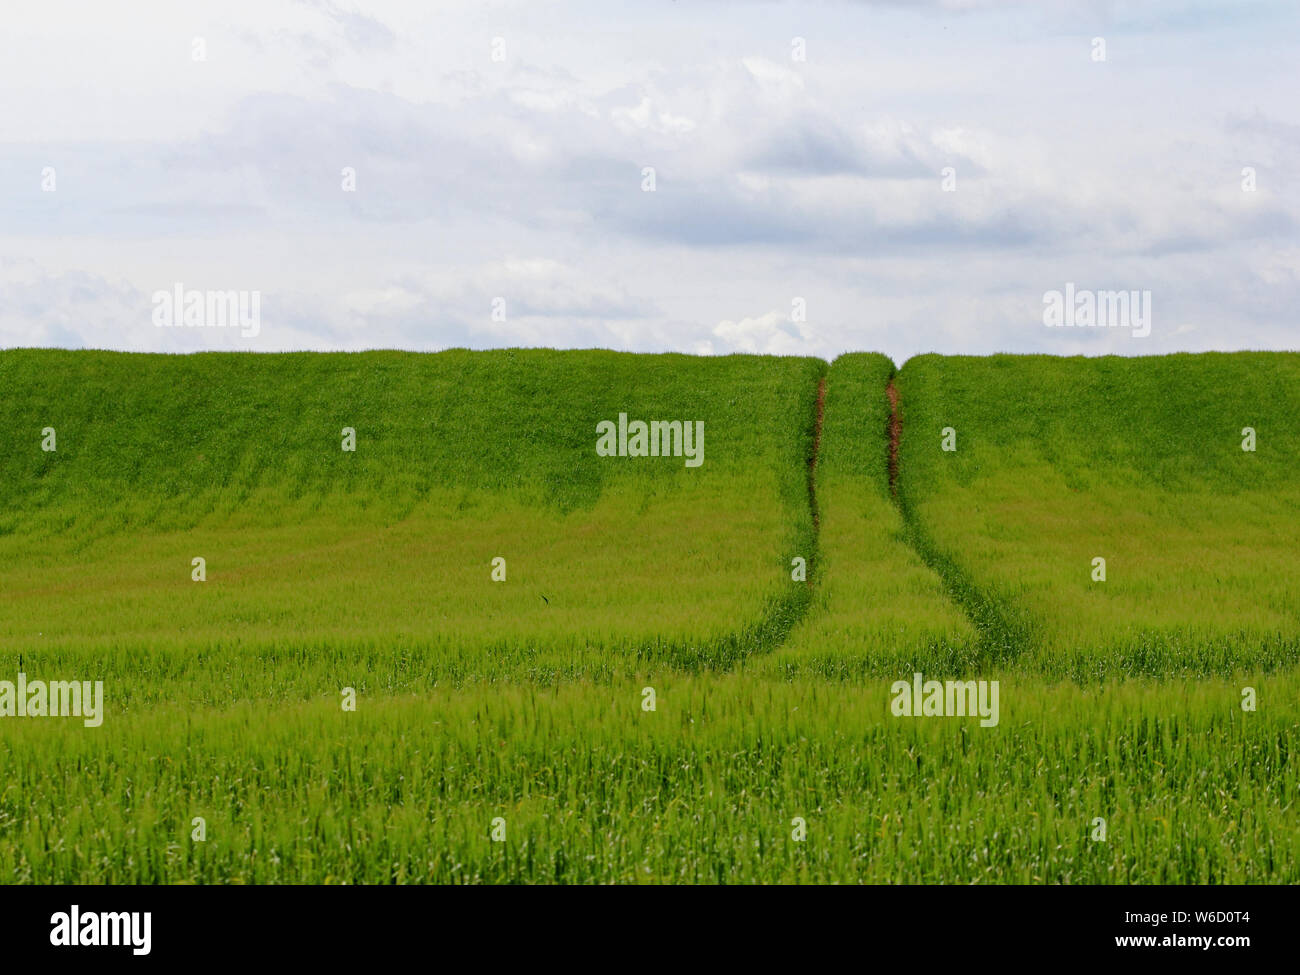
[(1138, 461), (373, 566), (592, 787), (878, 609)]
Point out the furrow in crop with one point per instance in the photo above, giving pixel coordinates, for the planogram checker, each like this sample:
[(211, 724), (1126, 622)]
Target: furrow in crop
[(1002, 637)]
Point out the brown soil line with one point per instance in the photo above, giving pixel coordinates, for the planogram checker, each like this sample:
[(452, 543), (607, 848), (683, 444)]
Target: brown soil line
[(817, 446)]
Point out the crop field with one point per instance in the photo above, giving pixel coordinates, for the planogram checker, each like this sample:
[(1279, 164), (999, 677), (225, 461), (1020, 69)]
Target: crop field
[(1139, 462), (374, 566), (878, 608), (651, 689), (704, 789)]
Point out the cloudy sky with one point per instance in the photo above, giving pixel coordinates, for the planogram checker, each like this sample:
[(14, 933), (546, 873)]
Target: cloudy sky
[(502, 153)]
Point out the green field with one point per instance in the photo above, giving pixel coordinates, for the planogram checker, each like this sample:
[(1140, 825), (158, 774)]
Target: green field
[(1137, 461), (487, 706), (879, 610), (373, 567)]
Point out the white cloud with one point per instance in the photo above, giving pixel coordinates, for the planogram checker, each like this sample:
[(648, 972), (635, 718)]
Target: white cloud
[(771, 333), (775, 178)]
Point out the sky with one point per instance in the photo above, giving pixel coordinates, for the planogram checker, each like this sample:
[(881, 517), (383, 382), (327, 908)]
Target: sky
[(706, 177)]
